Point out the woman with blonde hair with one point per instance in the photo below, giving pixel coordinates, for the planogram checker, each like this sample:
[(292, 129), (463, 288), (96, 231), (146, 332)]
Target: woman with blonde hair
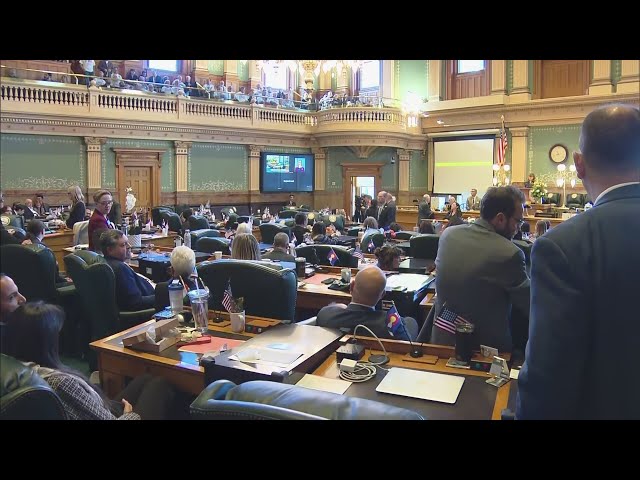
[(78, 208), (245, 247)]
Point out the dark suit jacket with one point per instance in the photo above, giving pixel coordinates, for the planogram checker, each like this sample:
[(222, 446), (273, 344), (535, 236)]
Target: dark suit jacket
[(299, 232), (279, 256), (290, 203), (372, 211), (347, 318), (28, 214), (424, 211), (77, 214), (132, 292), (481, 275), (387, 215), (584, 336)]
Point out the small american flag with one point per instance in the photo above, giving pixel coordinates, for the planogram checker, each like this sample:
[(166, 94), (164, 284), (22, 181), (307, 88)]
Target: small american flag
[(502, 147), (358, 253), (227, 299), (448, 319), (332, 257)]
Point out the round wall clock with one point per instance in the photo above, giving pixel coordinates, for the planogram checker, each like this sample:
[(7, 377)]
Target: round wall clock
[(558, 153)]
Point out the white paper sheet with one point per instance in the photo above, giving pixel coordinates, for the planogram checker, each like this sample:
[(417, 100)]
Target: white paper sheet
[(411, 281), (324, 384), (266, 356)]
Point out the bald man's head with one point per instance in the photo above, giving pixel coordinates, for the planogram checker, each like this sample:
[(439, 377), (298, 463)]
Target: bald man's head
[(427, 198), (368, 286)]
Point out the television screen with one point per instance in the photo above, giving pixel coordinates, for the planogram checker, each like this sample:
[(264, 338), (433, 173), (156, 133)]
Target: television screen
[(286, 172)]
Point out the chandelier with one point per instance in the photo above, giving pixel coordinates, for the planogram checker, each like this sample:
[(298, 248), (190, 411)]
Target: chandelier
[(311, 68)]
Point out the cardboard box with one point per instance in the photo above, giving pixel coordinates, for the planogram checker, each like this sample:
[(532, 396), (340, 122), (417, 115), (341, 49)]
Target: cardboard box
[(138, 341)]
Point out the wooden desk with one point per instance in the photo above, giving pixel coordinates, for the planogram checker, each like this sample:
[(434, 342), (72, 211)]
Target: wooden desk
[(117, 363), (315, 295)]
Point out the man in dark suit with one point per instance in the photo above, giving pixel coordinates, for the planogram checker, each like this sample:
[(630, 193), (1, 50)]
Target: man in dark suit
[(424, 209), (133, 292), (583, 340), (481, 273), (300, 229), (367, 288), (387, 214), (371, 208), (291, 202), (280, 250)]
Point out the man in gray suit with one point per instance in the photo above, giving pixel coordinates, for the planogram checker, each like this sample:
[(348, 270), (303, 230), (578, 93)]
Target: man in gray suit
[(481, 273), (584, 338), (424, 210)]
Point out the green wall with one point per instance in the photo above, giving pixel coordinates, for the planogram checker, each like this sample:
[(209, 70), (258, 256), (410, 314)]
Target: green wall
[(541, 139), (167, 175), (41, 162), (418, 171), (215, 67), (243, 70), (217, 167), (338, 155), (411, 76)]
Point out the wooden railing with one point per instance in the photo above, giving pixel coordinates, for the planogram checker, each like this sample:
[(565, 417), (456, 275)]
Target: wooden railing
[(24, 96)]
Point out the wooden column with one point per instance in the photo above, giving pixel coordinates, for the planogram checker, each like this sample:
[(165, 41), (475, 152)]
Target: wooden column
[(498, 77), (182, 161), (94, 161), (320, 168), (254, 167), (404, 156), (601, 80), (521, 91), (230, 73), (630, 79), (435, 80), (519, 146)]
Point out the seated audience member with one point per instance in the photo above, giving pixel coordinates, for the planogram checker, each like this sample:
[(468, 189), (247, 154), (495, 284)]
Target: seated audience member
[(99, 220), (450, 201), (35, 232), (367, 288), (370, 226), (424, 209), (454, 211), (388, 257), (18, 209), (426, 226), (245, 247), (78, 209), (183, 268), (133, 291), (541, 229), (319, 234), (395, 227), (33, 338), (40, 207), (184, 218), (10, 300), (29, 211), (523, 232), (280, 250), (100, 81), (300, 229), (482, 254)]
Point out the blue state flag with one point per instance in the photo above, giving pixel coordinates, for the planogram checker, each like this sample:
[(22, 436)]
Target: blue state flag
[(394, 320), (332, 257)]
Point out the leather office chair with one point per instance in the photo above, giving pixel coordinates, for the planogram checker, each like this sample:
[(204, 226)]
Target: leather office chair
[(424, 246), (267, 291), (378, 241), (33, 268), (353, 231), (575, 200), (231, 222), (196, 235), (226, 211), (25, 395), (287, 214), (197, 222), (96, 286), (405, 235), (81, 232), (335, 220), (245, 219), (214, 244), (552, 199), (263, 400), (173, 221), (317, 254), (304, 208), (13, 221), (269, 230), (156, 213)]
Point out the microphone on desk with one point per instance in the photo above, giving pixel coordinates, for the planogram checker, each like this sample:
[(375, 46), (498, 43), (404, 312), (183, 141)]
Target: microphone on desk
[(394, 321)]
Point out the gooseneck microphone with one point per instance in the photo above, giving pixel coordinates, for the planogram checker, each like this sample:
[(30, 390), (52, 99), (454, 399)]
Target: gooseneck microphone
[(416, 351)]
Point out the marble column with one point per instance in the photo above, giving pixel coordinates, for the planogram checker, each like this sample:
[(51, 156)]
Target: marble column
[(601, 80), (182, 162), (519, 148), (320, 168), (498, 77), (435, 80), (521, 91), (94, 161), (630, 79)]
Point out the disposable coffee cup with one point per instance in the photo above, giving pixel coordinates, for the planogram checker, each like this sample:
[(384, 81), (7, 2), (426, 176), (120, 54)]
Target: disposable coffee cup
[(345, 273), (237, 322), (300, 266), (217, 255), (464, 342)]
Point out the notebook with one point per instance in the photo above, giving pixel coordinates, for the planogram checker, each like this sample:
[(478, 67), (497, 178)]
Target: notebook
[(417, 384)]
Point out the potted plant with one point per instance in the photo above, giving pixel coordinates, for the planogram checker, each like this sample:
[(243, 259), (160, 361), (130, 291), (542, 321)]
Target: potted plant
[(538, 190)]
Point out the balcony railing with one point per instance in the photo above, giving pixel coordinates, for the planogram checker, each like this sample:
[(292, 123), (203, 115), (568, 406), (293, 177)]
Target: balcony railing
[(52, 98)]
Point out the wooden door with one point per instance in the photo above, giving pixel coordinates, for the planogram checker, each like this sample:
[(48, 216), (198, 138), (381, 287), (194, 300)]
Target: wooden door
[(350, 170), (561, 78), (139, 179)]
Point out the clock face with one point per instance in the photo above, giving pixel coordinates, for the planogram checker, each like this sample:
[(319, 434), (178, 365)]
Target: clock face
[(558, 153)]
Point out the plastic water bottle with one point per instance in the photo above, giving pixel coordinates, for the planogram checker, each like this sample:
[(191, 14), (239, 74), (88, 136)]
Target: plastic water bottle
[(187, 238), (176, 292)]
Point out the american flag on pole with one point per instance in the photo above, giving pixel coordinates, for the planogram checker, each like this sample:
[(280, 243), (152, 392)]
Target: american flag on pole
[(371, 247), (448, 319), (502, 147), (227, 299), (358, 253)]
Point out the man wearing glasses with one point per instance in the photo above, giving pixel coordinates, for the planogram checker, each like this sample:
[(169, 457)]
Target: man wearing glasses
[(99, 221), (481, 273)]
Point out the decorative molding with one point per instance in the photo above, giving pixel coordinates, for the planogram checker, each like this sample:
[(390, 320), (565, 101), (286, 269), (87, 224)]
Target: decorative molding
[(363, 151), (182, 147), (519, 131), (254, 150)]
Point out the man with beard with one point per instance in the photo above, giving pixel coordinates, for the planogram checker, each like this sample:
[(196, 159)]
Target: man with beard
[(481, 272)]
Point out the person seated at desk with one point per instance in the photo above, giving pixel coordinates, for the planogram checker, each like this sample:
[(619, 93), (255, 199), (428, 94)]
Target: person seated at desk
[(322, 235), (426, 227), (541, 228), (454, 215), (301, 229), (184, 219), (33, 338), (35, 232), (388, 257), (367, 288), (78, 209), (133, 291), (183, 268), (473, 201), (370, 226), (41, 208), (245, 247), (29, 211), (280, 250)]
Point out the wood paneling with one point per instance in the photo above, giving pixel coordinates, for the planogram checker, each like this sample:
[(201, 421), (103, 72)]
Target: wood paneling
[(560, 78), (142, 167), (467, 85), (139, 179), (47, 65)]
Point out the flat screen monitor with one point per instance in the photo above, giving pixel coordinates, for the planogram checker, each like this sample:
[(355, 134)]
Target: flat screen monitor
[(286, 172)]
